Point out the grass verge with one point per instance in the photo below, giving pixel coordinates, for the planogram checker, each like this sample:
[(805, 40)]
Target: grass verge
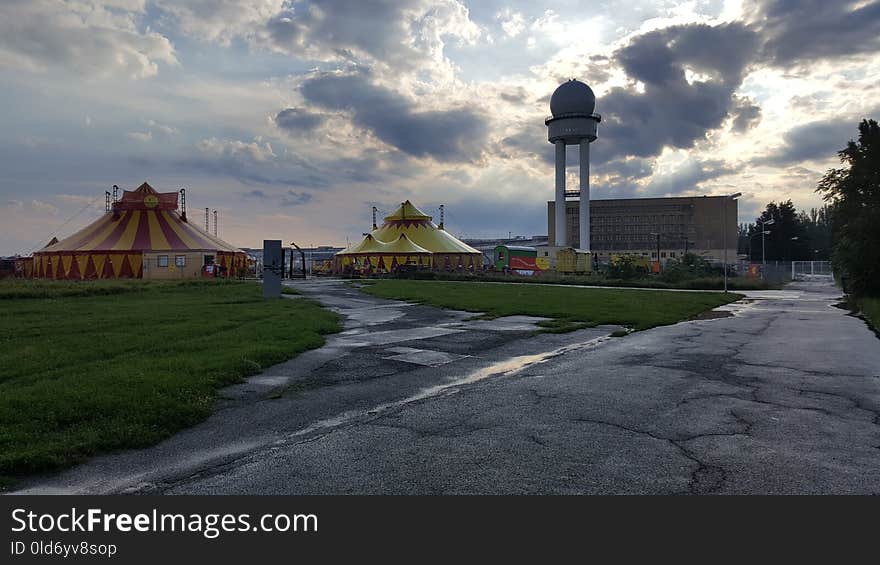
[(870, 308), (570, 308), (89, 368), (595, 279)]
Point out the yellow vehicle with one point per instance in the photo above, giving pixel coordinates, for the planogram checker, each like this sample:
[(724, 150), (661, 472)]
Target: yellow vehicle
[(570, 260)]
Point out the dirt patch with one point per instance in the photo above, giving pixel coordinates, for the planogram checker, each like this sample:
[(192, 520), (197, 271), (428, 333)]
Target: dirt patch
[(714, 315)]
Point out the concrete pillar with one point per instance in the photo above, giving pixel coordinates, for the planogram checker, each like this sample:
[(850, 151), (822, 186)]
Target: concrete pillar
[(561, 228), (584, 205), (273, 268)]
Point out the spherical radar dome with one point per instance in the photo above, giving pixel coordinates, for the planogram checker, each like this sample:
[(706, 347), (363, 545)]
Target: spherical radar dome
[(572, 97)]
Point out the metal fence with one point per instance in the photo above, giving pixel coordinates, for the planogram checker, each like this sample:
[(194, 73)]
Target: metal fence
[(774, 272), (801, 270)]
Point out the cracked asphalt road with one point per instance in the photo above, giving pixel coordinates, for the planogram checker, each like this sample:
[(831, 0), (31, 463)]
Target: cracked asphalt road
[(781, 397)]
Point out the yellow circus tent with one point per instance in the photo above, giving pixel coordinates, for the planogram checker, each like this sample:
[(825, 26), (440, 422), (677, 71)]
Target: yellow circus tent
[(142, 223), (409, 237)]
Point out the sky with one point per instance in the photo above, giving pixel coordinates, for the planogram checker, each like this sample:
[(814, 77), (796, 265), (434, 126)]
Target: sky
[(294, 119)]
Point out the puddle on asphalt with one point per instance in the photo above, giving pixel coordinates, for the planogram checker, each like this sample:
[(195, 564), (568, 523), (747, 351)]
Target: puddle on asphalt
[(504, 368)]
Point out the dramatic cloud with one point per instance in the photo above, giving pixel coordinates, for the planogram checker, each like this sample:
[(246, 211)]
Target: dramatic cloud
[(297, 120), (453, 135), (746, 115), (83, 36), (296, 198), (688, 75), (403, 34), (255, 151), (806, 30), (815, 140), (221, 20), (687, 178), (142, 136)]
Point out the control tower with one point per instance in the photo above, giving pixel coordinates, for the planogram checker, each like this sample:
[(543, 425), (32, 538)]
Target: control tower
[(573, 122)]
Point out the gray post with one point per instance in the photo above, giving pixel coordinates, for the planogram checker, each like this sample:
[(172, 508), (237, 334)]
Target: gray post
[(273, 265), (724, 238), (584, 205), (561, 228)]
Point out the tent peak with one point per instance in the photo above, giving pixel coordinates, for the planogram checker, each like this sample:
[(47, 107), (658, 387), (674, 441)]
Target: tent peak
[(407, 211), (146, 188)]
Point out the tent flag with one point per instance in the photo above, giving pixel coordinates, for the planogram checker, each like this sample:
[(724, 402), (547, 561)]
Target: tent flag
[(99, 261), (135, 260), (116, 260), (82, 261), (66, 261)]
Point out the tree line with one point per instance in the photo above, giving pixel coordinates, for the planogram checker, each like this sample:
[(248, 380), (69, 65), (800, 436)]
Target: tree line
[(845, 230), (790, 235)]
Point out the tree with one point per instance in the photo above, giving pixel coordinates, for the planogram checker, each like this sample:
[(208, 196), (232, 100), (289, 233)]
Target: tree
[(783, 243), (854, 194)]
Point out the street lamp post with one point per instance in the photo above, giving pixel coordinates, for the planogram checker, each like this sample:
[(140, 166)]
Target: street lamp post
[(769, 222), (724, 232), (753, 236), (658, 250)]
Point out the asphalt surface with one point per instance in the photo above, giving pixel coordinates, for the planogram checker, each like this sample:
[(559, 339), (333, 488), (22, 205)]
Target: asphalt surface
[(780, 396)]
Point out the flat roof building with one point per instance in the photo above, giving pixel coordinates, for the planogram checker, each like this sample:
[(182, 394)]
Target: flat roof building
[(699, 224)]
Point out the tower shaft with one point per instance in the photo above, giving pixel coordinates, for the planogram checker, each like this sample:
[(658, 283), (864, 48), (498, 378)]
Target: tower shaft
[(584, 204), (559, 212)]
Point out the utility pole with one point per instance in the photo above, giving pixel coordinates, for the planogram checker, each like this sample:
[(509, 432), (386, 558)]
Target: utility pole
[(724, 232), (658, 249)]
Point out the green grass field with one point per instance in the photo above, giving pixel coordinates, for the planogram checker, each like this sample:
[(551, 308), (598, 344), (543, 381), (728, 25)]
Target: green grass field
[(870, 307), (570, 307), (97, 366)]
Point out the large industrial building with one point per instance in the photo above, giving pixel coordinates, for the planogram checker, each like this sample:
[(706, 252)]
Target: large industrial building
[(658, 228), (695, 224)]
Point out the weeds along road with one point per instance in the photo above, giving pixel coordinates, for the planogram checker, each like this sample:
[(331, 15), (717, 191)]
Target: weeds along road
[(781, 397)]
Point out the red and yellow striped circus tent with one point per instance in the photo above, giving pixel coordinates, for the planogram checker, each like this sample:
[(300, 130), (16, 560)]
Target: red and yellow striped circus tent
[(408, 237), (143, 235)]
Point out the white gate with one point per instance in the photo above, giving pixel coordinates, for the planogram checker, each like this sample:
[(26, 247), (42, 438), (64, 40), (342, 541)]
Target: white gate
[(803, 270)]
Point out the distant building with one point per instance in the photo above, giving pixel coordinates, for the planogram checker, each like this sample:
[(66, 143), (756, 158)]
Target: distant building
[(629, 225), (487, 245)]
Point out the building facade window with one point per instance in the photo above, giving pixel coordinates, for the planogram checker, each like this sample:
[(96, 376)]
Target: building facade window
[(162, 261), (180, 260)]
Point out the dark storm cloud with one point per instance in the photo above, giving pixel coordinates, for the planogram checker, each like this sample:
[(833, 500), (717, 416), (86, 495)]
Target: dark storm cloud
[(455, 135), (746, 115), (250, 172), (799, 31), (297, 120), (671, 111), (625, 169), (346, 28), (687, 178), (659, 57), (516, 96), (256, 194), (296, 198), (470, 220), (815, 140)]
